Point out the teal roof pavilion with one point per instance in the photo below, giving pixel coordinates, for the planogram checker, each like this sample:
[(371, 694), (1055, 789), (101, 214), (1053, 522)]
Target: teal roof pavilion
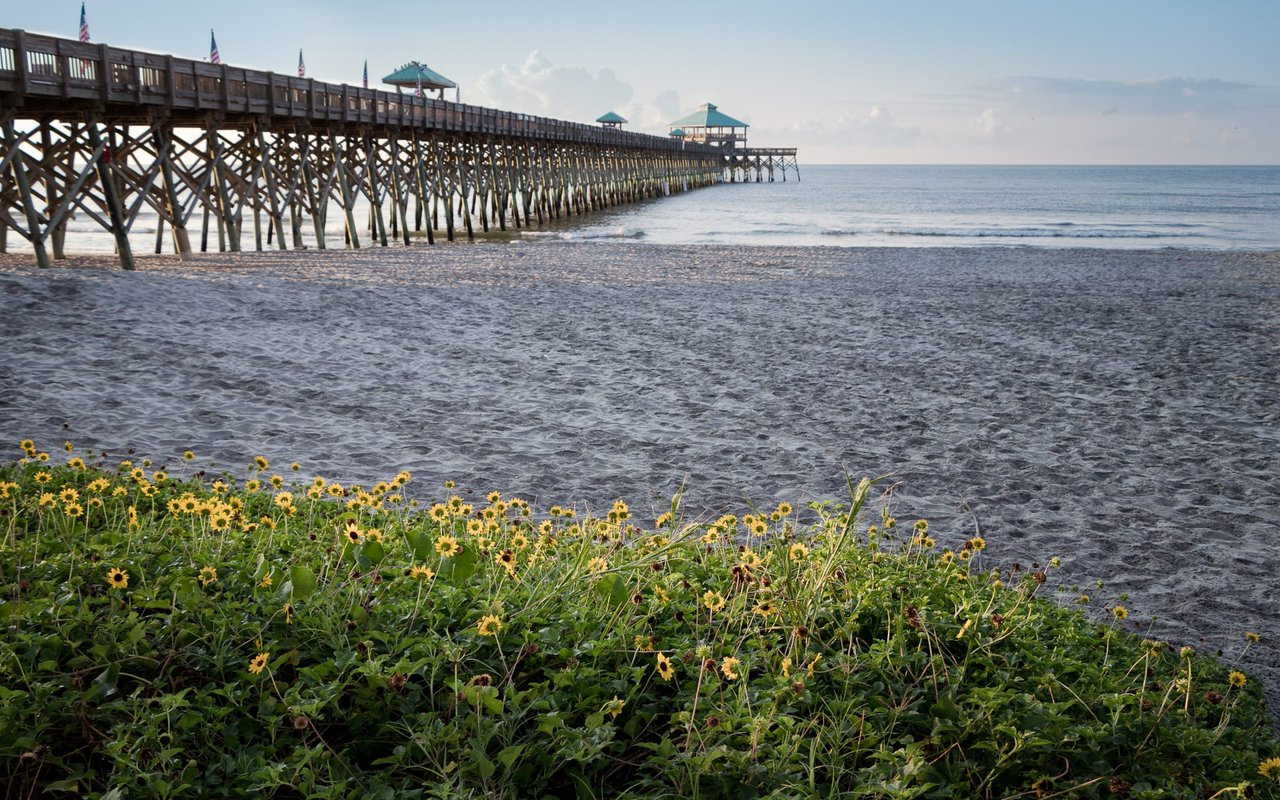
[(610, 118), (708, 116), (708, 125), (408, 75)]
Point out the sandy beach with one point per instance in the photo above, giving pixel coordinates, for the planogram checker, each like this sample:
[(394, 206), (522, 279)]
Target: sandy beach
[(1120, 410)]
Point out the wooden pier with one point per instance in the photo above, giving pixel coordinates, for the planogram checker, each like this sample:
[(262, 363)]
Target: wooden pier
[(110, 134)]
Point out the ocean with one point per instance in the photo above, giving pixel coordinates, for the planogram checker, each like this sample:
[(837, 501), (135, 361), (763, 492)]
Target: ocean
[(1198, 208), (1201, 208)]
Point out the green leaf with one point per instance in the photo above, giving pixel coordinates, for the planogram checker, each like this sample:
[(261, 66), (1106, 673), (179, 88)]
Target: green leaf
[(303, 579), (419, 543), (509, 755), (613, 589), (374, 552), (460, 567), (483, 765)]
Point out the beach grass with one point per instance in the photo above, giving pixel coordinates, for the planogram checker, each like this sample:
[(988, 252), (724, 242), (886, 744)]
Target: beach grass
[(172, 631)]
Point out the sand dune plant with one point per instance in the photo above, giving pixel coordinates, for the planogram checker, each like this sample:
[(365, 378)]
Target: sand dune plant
[(200, 635)]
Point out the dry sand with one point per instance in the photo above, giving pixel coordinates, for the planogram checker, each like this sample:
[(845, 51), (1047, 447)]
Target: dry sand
[(1118, 409)]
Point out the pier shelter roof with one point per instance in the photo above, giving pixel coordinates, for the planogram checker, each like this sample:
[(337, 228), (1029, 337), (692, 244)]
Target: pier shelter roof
[(407, 76), (709, 125), (708, 116), (610, 119)]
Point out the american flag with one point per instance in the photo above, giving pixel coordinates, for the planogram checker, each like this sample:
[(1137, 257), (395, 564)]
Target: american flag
[(84, 25), (302, 67), (366, 74), (213, 49)]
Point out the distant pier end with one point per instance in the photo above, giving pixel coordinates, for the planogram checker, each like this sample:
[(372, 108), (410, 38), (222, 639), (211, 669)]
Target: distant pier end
[(709, 125)]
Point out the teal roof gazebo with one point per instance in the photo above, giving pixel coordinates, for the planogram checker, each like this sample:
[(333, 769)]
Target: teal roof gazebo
[(610, 120), (415, 74), (709, 125)]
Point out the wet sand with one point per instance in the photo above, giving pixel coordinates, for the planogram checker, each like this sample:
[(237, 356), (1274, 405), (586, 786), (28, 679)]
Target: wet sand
[(1118, 409)]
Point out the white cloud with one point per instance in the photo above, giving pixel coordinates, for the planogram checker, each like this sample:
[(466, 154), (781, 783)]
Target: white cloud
[(988, 124), (540, 87), (877, 127), (1156, 96)]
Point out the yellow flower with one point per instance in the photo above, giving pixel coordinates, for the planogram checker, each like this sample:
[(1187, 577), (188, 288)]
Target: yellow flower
[(421, 573), (797, 552), (219, 521), (27, 446), (1120, 612), (352, 532), (295, 466), (786, 667), (766, 608), (1252, 637), (447, 546), (99, 485), (978, 544), (1270, 768), (665, 670), (208, 575), (42, 457), (711, 536), (68, 495), (77, 463), (507, 558), (258, 663), (597, 565), (784, 508), (1237, 679), (284, 499), (729, 667), (43, 477), (614, 707), (73, 510), (813, 664), (266, 580), (117, 578), (475, 527), (189, 455), (714, 601), (276, 481), (519, 541), (68, 446), (489, 625)]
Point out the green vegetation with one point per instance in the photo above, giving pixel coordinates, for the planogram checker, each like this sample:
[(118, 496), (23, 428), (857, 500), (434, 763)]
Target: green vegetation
[(186, 635)]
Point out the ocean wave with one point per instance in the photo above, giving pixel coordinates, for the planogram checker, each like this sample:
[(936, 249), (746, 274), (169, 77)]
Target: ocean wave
[(618, 233), (1066, 230)]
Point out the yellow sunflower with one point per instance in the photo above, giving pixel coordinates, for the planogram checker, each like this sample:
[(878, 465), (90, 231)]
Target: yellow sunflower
[(447, 546), (208, 575), (729, 667), (258, 663), (489, 625), (117, 578), (665, 670)]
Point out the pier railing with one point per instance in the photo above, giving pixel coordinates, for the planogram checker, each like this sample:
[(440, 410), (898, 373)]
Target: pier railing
[(48, 73)]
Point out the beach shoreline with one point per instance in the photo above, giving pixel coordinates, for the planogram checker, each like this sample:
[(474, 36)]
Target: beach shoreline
[(1112, 408)]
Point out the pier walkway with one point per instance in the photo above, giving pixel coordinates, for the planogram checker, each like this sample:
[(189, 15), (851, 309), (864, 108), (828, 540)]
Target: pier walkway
[(112, 133)]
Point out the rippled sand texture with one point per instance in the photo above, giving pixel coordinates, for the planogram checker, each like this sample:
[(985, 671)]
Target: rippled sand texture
[(1118, 409)]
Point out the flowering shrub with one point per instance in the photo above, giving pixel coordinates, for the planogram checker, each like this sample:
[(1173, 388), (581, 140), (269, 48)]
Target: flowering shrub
[(171, 633)]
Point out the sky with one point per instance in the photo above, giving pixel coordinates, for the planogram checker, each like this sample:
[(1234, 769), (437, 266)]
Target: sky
[(902, 81)]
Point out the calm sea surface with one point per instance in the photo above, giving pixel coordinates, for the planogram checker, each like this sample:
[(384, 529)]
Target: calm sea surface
[(1209, 208), (1203, 208)]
